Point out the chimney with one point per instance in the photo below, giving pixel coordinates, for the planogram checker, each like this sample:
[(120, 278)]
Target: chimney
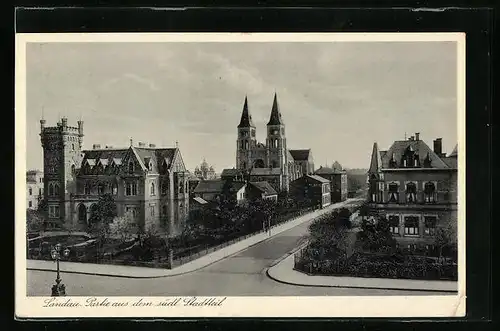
[(417, 136), (152, 145), (96, 146), (141, 144), (411, 138), (438, 146)]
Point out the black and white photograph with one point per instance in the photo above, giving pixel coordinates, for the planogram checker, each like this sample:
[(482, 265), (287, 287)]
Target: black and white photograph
[(200, 170)]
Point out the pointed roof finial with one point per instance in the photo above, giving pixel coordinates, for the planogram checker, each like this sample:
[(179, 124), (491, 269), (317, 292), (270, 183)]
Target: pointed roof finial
[(275, 118), (131, 142), (176, 144), (43, 112), (376, 162), (405, 135), (246, 118)]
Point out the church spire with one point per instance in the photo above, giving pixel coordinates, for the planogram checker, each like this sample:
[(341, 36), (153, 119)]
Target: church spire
[(246, 118), (275, 118), (376, 162)]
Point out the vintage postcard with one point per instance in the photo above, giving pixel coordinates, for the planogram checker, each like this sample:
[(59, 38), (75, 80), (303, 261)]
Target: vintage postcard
[(240, 175)]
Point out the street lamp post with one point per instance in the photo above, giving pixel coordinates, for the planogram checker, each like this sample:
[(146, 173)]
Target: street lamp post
[(58, 289)]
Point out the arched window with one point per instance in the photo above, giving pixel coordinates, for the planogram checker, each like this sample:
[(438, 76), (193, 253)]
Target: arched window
[(430, 192), (87, 189), (30, 191), (411, 193), (114, 188), (73, 146), (100, 188), (51, 189), (40, 191), (131, 167), (73, 169), (56, 189), (82, 213), (164, 188), (152, 189)]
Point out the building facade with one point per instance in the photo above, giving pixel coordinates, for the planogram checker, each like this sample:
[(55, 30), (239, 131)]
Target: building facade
[(312, 188), (414, 187), (338, 182), (274, 155), (149, 183), (34, 188)]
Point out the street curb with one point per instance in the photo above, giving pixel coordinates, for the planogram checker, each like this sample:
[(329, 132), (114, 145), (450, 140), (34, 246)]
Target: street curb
[(171, 275), (281, 259), (358, 287)]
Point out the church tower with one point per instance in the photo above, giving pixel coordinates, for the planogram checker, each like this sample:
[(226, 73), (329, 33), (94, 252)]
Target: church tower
[(276, 143), (246, 139), (62, 156)]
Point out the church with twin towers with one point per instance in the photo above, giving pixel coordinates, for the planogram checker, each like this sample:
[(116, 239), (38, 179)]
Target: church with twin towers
[(271, 161)]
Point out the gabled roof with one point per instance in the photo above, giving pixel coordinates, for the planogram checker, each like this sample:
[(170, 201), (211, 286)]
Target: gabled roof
[(275, 118), (289, 156), (265, 172), (399, 147), (264, 187), (246, 118), (454, 153), (234, 186), (210, 186), (327, 171), (451, 162), (318, 178), (231, 173), (300, 154)]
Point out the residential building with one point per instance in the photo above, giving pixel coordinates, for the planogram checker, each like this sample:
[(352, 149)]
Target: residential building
[(261, 191), (148, 182), (34, 188), (415, 187), (275, 161), (313, 189), (338, 182), (233, 174)]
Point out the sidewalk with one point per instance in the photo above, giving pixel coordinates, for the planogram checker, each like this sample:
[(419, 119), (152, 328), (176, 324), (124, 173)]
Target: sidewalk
[(206, 260), (283, 272)]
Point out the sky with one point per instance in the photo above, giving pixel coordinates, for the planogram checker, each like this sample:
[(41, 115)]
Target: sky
[(336, 98)]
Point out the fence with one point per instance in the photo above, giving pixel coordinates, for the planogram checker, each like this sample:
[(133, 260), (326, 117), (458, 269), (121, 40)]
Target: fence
[(360, 265)]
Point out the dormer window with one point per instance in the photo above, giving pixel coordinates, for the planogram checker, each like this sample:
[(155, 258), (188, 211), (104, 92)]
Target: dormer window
[(427, 161)]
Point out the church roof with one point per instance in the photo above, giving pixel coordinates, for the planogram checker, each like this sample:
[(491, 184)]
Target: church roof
[(300, 154), (264, 187), (231, 173), (246, 118), (327, 171), (265, 172), (210, 186), (275, 118)]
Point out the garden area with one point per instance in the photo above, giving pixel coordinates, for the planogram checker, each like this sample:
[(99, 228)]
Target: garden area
[(371, 251), (119, 240)]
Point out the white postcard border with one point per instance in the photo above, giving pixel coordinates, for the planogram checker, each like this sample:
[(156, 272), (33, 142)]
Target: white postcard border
[(333, 306)]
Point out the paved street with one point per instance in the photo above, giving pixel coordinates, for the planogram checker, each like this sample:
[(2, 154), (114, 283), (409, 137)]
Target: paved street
[(243, 274)]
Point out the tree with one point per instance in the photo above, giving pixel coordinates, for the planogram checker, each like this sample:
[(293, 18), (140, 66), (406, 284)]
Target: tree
[(34, 220), (446, 237), (123, 228), (375, 235), (103, 214)]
